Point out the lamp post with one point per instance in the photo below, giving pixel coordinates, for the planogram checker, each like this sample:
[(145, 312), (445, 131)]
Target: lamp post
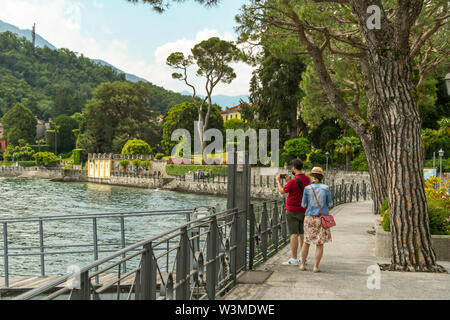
[(328, 155), (441, 154)]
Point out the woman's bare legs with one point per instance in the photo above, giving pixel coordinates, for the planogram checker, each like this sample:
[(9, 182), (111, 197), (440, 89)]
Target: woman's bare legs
[(319, 254), (305, 250)]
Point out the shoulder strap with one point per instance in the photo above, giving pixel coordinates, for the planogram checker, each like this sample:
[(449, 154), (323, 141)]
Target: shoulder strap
[(317, 201), (300, 184)]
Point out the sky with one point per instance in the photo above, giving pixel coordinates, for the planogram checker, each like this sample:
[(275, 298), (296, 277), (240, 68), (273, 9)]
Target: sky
[(132, 37)]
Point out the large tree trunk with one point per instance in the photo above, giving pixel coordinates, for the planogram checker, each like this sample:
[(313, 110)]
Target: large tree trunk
[(393, 117), (400, 131)]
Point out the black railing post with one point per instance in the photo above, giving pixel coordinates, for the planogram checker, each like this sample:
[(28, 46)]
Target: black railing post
[(275, 226), (83, 292), (264, 231), (252, 237), (182, 269), (233, 245), (351, 190), (357, 192), (148, 274), (283, 221), (211, 257), (364, 190)]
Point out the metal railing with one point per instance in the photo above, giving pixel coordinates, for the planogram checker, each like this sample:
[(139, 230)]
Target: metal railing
[(141, 174), (197, 260), (95, 248), (344, 192), (201, 255)]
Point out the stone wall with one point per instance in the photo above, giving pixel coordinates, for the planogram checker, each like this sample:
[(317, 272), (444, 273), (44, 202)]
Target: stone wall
[(130, 181), (32, 172), (191, 186), (383, 243)]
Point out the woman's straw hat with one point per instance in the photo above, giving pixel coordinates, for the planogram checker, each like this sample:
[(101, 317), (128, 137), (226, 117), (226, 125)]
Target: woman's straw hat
[(317, 170)]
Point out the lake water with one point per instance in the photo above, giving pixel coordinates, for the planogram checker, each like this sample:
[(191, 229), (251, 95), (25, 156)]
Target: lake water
[(21, 198)]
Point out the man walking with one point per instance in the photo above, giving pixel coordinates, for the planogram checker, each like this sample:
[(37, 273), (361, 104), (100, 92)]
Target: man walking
[(295, 213)]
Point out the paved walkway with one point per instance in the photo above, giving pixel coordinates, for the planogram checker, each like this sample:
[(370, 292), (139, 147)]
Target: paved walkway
[(344, 266)]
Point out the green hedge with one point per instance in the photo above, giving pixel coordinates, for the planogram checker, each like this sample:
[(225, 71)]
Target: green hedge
[(181, 169), (27, 163), (79, 156), (44, 148), (46, 158)]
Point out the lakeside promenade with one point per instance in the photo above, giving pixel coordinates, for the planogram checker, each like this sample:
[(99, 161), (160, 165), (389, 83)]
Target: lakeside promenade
[(344, 269)]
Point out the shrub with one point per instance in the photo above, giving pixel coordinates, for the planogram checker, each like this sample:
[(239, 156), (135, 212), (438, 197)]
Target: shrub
[(445, 164), (24, 153), (159, 156), (360, 162), (27, 163), (297, 147), (124, 163), (318, 159), (46, 158), (136, 146), (136, 163), (439, 212), (436, 189), (285, 158), (146, 164), (42, 148), (79, 156), (307, 165), (66, 155), (385, 219)]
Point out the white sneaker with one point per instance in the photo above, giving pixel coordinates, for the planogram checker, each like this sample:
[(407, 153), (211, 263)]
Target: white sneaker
[(291, 262)]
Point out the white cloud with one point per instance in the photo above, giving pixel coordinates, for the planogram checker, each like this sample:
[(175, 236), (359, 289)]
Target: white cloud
[(163, 72), (106, 30), (98, 4), (59, 22)]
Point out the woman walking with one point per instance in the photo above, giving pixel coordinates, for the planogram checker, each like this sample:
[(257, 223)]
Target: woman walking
[(316, 200)]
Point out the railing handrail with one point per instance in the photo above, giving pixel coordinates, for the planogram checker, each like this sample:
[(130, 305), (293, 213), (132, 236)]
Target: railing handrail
[(91, 216)]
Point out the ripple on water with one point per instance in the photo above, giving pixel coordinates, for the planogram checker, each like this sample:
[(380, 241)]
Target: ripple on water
[(35, 198)]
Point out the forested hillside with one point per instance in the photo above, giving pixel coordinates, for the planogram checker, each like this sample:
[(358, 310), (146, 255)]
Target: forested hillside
[(54, 82)]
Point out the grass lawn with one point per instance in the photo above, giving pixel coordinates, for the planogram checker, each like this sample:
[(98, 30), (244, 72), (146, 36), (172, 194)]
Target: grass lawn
[(181, 169)]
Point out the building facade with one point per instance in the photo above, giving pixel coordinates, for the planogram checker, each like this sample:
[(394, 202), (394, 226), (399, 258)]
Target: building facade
[(231, 113)]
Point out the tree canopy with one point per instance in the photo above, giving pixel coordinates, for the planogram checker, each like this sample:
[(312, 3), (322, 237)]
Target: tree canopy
[(182, 116), (213, 58), (136, 146), (117, 112), (19, 123)]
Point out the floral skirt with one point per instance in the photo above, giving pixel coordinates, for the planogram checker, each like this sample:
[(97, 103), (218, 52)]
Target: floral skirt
[(314, 232)]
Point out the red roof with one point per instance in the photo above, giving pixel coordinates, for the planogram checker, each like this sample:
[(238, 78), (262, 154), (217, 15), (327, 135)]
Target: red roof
[(233, 109)]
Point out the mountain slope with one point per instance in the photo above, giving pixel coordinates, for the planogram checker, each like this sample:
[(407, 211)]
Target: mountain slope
[(40, 42), (164, 96), (128, 76), (223, 100)]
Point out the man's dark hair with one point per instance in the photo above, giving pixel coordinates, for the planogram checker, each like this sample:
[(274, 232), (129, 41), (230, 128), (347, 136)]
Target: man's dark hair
[(297, 164)]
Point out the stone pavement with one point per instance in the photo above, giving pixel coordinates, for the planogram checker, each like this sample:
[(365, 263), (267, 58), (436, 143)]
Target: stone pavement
[(344, 269)]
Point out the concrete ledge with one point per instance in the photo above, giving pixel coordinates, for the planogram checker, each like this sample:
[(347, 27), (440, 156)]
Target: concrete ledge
[(383, 241)]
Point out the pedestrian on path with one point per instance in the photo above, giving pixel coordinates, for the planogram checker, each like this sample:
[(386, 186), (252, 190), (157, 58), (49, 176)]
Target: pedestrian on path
[(295, 213), (314, 195)]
